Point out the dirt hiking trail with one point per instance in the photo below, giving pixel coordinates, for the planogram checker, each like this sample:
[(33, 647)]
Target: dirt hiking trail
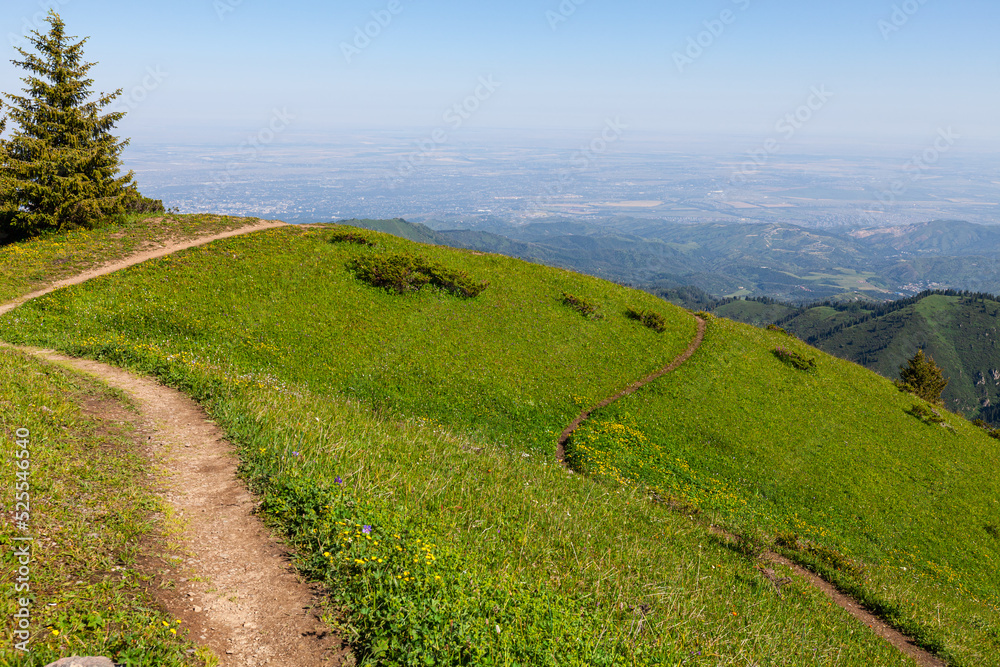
[(900, 641), (235, 589), (139, 258), (631, 389)]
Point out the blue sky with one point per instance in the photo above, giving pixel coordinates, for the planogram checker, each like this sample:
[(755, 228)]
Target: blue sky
[(205, 70)]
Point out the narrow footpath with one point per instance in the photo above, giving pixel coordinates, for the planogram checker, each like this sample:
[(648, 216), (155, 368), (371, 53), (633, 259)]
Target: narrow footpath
[(902, 642), (234, 588)]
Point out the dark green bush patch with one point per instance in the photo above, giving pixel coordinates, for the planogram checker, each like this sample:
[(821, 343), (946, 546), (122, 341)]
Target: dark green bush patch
[(795, 359), (351, 237), (925, 414), (651, 319), (404, 272), (777, 329), (583, 306)]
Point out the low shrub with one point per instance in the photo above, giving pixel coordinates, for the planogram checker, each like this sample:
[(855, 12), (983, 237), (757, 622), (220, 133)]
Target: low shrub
[(403, 272), (142, 205), (795, 359), (351, 237), (925, 414), (651, 319), (777, 329), (583, 306), (990, 431)]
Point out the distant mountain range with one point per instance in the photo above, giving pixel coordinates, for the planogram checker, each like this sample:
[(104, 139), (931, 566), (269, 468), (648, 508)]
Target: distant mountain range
[(780, 261)]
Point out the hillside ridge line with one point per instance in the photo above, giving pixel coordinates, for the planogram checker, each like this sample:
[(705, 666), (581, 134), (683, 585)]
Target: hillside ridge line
[(138, 258)]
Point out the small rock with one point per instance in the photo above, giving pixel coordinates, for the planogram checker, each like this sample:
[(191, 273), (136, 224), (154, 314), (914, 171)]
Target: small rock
[(197, 609), (250, 626), (82, 662)]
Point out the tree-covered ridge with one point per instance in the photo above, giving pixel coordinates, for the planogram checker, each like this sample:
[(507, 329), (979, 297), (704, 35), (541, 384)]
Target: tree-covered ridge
[(957, 328)]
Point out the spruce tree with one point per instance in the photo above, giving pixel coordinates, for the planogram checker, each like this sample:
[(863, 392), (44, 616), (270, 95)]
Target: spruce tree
[(922, 377), (61, 166)]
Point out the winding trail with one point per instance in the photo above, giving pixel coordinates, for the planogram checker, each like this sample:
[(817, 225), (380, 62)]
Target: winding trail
[(234, 587), (631, 389), (850, 604), (139, 258)]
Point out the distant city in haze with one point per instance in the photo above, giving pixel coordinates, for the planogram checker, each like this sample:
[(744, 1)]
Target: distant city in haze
[(517, 177)]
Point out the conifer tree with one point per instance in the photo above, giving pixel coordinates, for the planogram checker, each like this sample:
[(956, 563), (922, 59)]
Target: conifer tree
[(922, 377), (61, 166)]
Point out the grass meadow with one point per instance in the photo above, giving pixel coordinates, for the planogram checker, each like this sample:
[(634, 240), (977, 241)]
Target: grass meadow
[(404, 445), (833, 468)]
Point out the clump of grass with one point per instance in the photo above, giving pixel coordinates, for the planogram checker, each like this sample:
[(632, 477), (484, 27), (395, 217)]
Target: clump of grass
[(648, 318), (585, 307), (795, 359), (405, 272), (775, 328), (344, 236)]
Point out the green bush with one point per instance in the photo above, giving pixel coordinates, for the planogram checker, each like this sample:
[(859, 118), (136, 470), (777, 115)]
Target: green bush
[(651, 319), (922, 377), (403, 272), (142, 205), (925, 414), (777, 329), (795, 359), (351, 237), (583, 306)]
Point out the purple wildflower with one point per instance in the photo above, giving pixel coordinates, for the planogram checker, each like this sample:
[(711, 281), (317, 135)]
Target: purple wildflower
[(295, 453), (367, 530), (338, 481)]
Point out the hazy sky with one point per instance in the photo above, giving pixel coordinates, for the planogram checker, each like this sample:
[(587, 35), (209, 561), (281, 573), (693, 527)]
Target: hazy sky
[(870, 69)]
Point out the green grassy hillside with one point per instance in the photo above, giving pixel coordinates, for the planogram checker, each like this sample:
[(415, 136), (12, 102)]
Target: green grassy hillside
[(404, 442), (830, 462), (959, 332)]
